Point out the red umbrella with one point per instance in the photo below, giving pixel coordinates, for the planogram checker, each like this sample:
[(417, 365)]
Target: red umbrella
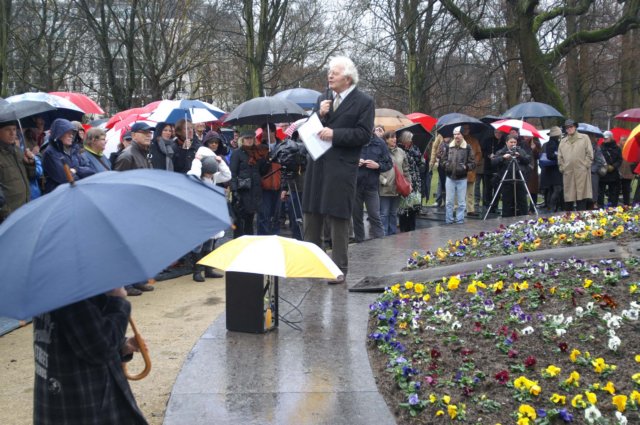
[(619, 132), (632, 115), (427, 121), (631, 148), (81, 101), (525, 128), (133, 111)]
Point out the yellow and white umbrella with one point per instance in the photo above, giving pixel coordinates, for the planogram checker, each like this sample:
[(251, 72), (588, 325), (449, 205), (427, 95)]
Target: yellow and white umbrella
[(273, 255)]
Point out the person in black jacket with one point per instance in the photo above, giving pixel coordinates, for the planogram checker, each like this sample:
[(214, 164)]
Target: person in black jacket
[(511, 161), (550, 175), (186, 146), (162, 147), (248, 164), (374, 159), (610, 182)]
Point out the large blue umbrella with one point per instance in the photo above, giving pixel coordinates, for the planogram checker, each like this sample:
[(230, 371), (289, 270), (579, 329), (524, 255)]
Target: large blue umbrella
[(448, 122), (305, 98), (195, 110), (105, 231), (583, 127), (58, 107), (532, 110)]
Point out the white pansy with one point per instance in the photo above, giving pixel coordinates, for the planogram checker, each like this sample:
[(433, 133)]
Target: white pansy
[(568, 320), (561, 331), (607, 316), (622, 419), (630, 314), (557, 319), (455, 325), (579, 311), (527, 331), (592, 414), (590, 306), (447, 316), (614, 343), (614, 322), (634, 305)]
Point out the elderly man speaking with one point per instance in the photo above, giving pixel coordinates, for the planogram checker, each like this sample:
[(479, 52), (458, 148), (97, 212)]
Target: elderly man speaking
[(330, 182)]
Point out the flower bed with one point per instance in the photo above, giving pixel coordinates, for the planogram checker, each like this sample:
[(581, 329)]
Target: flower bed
[(536, 343), (621, 224)]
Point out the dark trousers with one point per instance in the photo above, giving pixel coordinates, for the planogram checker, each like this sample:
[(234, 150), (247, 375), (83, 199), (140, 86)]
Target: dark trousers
[(371, 199), (244, 225), (580, 205), (426, 185), (625, 188), (339, 229), (514, 201), (612, 188), (294, 210), (269, 214)]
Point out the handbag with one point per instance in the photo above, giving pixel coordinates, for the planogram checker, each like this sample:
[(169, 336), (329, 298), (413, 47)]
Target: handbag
[(244, 183), (602, 171), (402, 185), (544, 161)]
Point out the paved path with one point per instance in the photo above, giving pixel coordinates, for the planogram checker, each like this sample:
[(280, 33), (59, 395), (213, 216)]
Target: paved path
[(318, 375)]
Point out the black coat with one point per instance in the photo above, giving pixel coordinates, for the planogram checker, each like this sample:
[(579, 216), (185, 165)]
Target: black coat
[(613, 155), (330, 182), (551, 175), (377, 151), (248, 200)]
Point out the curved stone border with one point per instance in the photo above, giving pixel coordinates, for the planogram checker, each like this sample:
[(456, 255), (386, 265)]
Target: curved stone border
[(587, 252)]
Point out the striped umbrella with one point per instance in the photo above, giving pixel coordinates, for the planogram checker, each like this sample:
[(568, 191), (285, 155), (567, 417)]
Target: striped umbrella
[(274, 256)]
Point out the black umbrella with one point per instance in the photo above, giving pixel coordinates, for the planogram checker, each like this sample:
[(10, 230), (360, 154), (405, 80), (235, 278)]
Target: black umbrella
[(421, 136), (488, 119), (265, 109), (13, 111), (448, 122), (532, 110)]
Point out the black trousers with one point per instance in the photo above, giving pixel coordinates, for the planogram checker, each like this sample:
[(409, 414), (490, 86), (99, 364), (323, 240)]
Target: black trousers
[(407, 221), (514, 202), (244, 225), (612, 188)]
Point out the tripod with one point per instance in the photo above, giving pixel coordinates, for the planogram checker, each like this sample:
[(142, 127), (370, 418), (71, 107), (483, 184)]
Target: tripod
[(515, 178)]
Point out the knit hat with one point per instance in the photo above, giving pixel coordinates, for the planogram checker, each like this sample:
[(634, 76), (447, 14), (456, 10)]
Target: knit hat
[(211, 136), (555, 131), (209, 165)]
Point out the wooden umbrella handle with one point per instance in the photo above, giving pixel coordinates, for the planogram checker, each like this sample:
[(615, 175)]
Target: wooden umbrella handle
[(144, 350)]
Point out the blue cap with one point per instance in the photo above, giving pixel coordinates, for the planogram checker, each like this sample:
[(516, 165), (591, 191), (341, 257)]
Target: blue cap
[(141, 126)]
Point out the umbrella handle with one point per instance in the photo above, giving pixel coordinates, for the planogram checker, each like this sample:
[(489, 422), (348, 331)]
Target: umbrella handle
[(67, 172), (144, 350)]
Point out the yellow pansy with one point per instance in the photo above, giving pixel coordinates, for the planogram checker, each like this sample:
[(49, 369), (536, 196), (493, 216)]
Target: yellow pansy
[(433, 398), (610, 388), (620, 401), (591, 397), (599, 365), (636, 378), (574, 355), (452, 410), (558, 399), (633, 288), (635, 396), (471, 288), (535, 389), (552, 370), (527, 411), (587, 283), (418, 288), (578, 402), (439, 289), (426, 298), (408, 284), (395, 288), (573, 379), (446, 399), (498, 286), (453, 283), (440, 413), (637, 358)]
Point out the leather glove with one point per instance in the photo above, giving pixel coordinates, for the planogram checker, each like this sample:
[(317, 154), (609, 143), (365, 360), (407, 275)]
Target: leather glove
[(610, 168)]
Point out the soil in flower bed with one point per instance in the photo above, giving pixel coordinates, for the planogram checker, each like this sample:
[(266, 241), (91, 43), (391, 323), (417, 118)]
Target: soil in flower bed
[(475, 349)]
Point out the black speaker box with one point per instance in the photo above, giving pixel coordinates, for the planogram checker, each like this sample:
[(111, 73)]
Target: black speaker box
[(248, 297)]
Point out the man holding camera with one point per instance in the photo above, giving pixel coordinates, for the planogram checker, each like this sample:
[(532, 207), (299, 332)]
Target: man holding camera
[(510, 161)]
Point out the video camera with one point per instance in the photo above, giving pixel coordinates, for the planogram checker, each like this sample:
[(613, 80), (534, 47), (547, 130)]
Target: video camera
[(291, 155)]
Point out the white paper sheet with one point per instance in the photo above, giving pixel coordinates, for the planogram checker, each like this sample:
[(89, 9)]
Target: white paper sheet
[(309, 134)]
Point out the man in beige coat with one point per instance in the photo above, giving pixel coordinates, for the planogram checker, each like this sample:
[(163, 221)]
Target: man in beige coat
[(575, 156)]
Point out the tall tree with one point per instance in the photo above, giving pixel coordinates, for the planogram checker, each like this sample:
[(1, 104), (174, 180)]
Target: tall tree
[(5, 13), (525, 29)]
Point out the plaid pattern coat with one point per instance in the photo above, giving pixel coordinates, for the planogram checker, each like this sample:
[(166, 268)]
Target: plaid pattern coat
[(79, 377)]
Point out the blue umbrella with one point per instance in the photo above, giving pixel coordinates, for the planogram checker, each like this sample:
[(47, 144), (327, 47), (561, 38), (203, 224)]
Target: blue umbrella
[(448, 122), (105, 231), (532, 110), (583, 127), (195, 110), (305, 98)]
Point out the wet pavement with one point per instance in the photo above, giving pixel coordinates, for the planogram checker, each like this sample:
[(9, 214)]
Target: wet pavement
[(318, 373)]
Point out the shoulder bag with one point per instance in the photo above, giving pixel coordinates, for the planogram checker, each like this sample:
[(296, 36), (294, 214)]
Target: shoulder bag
[(402, 185)]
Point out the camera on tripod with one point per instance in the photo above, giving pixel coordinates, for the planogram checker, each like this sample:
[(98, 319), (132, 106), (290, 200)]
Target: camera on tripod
[(292, 156)]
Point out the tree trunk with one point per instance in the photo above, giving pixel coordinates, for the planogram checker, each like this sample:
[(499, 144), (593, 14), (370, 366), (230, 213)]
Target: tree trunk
[(513, 72), (630, 70), (5, 12)]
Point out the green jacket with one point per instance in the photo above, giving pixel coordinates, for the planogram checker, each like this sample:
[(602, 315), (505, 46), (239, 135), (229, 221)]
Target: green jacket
[(14, 179)]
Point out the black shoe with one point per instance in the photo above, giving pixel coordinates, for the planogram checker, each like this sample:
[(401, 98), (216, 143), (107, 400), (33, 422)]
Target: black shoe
[(132, 292), (197, 276), (144, 287), (340, 280), (210, 273)]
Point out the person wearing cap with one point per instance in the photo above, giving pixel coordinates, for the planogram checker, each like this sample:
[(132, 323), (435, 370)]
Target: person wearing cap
[(575, 156), (62, 151), (610, 182), (125, 142), (136, 156), (550, 176), (458, 160), (94, 144), (162, 147), (212, 170), (16, 168)]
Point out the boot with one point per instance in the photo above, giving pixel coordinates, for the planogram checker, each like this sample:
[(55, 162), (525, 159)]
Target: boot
[(197, 273), (209, 272)]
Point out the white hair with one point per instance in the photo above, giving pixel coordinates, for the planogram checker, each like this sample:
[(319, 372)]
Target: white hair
[(349, 68)]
